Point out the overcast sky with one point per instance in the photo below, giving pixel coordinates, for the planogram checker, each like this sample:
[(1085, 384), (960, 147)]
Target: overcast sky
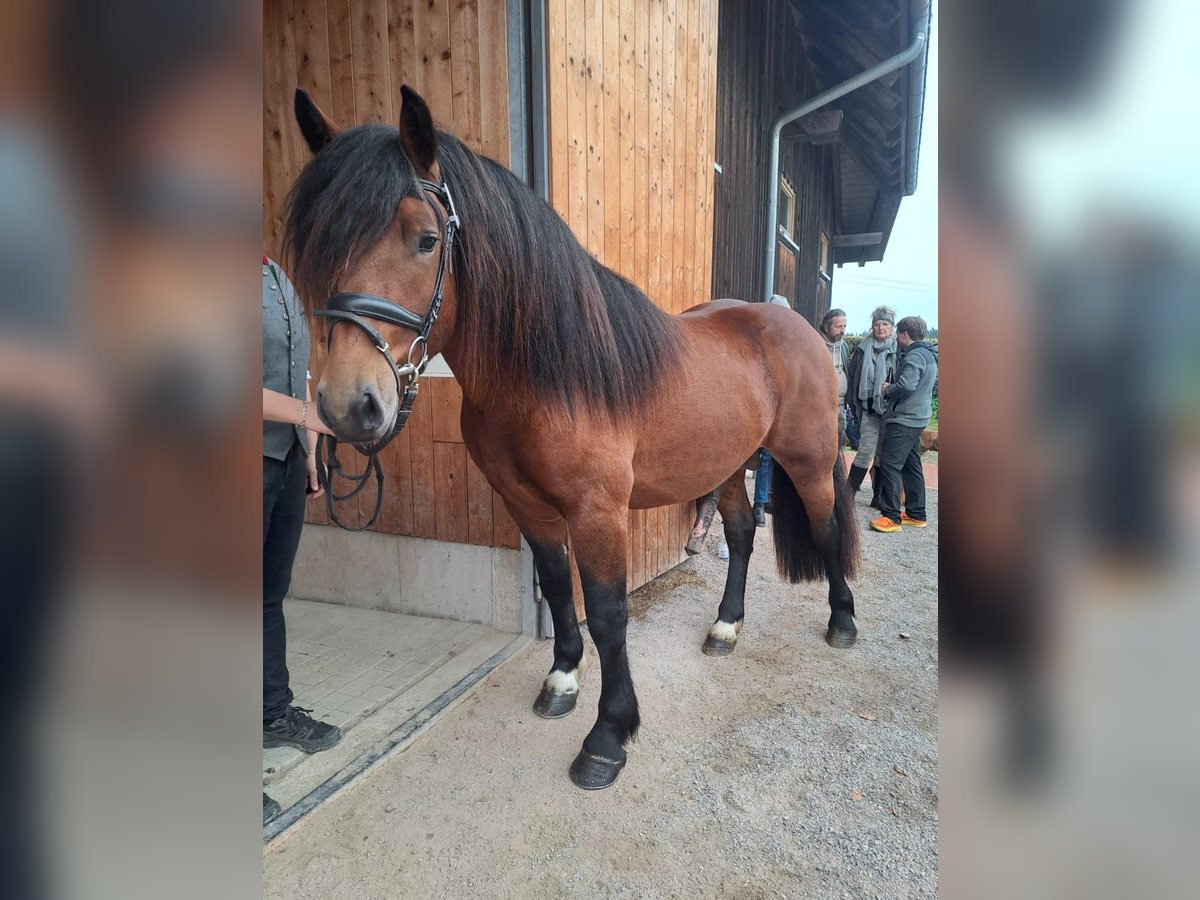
[(906, 278)]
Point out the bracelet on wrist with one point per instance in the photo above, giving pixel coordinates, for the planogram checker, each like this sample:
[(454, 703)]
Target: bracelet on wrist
[(303, 413)]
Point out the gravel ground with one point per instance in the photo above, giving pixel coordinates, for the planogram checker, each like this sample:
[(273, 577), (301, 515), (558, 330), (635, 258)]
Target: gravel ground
[(785, 770)]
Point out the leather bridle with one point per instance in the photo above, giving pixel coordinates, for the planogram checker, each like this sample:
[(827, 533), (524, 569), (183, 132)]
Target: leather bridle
[(358, 309)]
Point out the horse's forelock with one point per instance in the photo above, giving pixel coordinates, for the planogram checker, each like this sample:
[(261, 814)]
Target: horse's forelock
[(341, 205)]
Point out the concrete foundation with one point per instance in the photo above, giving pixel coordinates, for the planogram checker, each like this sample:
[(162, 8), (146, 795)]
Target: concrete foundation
[(415, 576)]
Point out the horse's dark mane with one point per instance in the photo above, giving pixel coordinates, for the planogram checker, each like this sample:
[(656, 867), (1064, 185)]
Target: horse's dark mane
[(534, 308)]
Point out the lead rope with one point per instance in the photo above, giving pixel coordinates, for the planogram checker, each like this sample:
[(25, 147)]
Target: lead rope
[(330, 464)]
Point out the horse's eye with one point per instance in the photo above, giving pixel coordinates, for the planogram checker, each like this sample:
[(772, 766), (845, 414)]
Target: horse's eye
[(428, 242)]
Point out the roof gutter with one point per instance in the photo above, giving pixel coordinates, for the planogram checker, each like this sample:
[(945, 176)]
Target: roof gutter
[(899, 61)]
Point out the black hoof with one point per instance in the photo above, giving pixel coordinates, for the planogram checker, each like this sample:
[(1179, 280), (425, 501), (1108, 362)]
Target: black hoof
[(549, 705), (714, 647), (836, 637), (593, 773)]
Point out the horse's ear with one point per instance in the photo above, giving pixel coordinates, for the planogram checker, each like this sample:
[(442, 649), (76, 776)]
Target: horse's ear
[(316, 128), (417, 136)]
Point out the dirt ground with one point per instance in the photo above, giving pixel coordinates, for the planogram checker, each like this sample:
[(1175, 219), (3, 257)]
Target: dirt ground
[(788, 769)]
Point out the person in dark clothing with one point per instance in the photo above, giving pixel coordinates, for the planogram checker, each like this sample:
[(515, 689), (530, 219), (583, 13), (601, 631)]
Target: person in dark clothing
[(289, 472), (872, 363), (833, 330), (909, 409)]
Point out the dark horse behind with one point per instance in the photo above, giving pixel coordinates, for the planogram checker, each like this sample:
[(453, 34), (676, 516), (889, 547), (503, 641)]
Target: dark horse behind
[(581, 398)]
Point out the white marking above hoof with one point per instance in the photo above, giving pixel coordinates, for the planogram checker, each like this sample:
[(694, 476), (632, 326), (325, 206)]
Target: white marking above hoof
[(563, 682), (725, 631)]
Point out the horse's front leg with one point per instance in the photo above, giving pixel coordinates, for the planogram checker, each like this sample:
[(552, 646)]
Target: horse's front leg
[(599, 537), (560, 690), (545, 532)]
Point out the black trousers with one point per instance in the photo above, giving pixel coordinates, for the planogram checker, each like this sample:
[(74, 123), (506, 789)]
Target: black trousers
[(283, 517), (900, 461)]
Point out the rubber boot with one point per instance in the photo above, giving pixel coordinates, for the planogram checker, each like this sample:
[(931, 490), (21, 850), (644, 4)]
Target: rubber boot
[(855, 478)]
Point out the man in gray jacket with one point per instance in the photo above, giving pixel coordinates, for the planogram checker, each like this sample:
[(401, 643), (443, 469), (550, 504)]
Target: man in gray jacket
[(909, 407)]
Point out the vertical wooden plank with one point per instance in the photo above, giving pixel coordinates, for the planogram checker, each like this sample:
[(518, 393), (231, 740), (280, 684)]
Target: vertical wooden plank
[(283, 154), (654, 112), (273, 129), (594, 113), (312, 53), (397, 463), (576, 584), (431, 23), (369, 61), (688, 173), (493, 80), (445, 408), (504, 529), (479, 506), (639, 204), (632, 570), (626, 222), (341, 64), (653, 526), (576, 136), (643, 520), (697, 156), (464, 71), (610, 89), (683, 143), (420, 443), (402, 52), (666, 273), (710, 142), (558, 75), (450, 473)]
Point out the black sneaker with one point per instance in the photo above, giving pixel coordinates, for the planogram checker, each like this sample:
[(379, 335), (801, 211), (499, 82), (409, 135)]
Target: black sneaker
[(760, 515), (296, 728), (271, 808)]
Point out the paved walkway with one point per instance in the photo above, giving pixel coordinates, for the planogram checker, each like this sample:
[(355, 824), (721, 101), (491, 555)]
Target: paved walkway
[(369, 673)]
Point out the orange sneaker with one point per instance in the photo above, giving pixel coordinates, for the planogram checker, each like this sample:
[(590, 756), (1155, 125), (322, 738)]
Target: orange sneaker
[(915, 523), (884, 524)]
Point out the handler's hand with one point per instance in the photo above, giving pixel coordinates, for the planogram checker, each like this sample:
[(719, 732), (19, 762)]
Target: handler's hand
[(314, 482)]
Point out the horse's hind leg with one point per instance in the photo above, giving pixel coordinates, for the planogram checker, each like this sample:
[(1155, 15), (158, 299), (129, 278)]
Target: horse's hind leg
[(738, 519), (560, 690), (822, 499)]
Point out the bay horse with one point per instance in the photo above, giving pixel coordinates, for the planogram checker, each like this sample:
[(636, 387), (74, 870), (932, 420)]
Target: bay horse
[(581, 398)]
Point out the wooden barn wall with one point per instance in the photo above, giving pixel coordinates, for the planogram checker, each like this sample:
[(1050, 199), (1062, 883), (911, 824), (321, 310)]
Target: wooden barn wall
[(632, 102), (745, 107), (352, 56), (759, 37), (812, 165)]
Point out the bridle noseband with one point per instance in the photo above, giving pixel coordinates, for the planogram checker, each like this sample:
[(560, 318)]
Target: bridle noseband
[(357, 309)]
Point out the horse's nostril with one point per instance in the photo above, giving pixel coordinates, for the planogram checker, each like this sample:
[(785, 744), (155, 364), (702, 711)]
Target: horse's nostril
[(370, 411)]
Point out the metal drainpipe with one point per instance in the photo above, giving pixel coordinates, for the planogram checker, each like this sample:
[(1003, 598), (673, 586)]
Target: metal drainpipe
[(872, 74)]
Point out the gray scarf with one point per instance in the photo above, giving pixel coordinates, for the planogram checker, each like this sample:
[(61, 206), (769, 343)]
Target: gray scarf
[(871, 381)]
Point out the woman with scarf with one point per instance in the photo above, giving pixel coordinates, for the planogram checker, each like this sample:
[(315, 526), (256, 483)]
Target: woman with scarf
[(871, 364)]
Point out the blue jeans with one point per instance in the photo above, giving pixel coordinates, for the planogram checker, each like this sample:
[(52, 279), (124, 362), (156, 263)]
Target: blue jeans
[(762, 478)]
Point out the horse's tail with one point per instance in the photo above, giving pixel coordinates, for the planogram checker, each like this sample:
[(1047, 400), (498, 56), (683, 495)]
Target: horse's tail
[(796, 554)]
